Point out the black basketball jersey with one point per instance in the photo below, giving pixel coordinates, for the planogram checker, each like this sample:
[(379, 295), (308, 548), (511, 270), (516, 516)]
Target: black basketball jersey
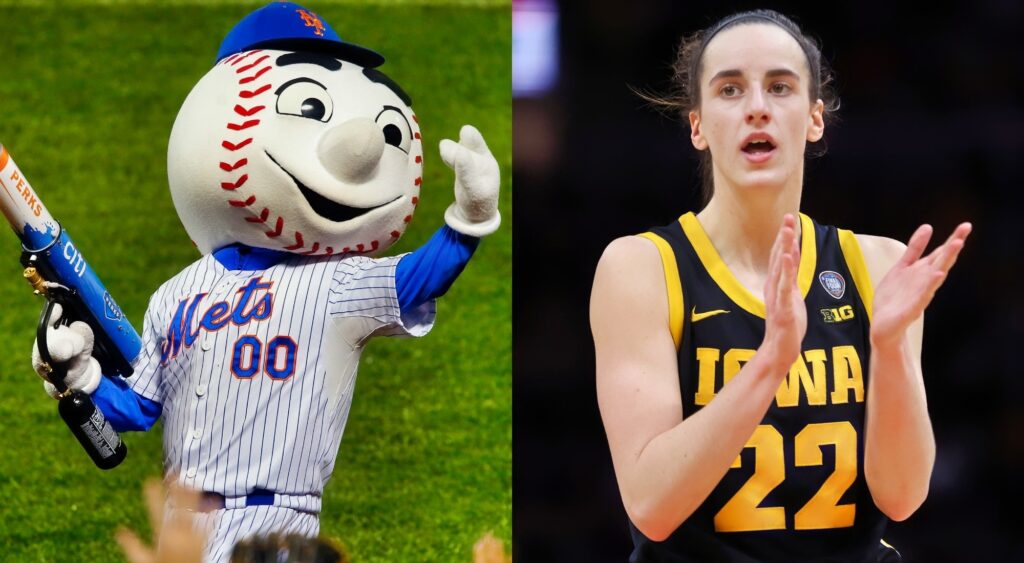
[(797, 490)]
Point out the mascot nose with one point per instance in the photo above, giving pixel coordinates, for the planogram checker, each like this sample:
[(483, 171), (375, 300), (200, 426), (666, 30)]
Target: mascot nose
[(351, 151)]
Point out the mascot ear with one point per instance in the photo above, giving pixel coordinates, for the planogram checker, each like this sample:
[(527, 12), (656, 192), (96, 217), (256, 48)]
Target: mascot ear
[(696, 136)]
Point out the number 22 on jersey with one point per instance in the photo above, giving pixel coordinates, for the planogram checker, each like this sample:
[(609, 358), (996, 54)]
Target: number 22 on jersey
[(743, 513)]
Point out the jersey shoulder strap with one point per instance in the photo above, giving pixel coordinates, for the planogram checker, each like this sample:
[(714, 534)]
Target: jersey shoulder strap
[(857, 267), (673, 285)]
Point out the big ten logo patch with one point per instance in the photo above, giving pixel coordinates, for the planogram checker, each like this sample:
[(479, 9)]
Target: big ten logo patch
[(311, 20), (837, 315)]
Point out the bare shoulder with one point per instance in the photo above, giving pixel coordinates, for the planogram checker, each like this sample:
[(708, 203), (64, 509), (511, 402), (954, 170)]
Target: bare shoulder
[(630, 251), (629, 286), (630, 265), (880, 254), (635, 355)]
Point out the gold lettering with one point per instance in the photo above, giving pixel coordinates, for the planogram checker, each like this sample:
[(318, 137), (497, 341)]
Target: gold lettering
[(811, 381), (848, 375), (734, 360), (707, 361), (788, 393)]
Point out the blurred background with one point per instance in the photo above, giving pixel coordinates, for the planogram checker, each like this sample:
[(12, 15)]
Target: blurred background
[(931, 131)]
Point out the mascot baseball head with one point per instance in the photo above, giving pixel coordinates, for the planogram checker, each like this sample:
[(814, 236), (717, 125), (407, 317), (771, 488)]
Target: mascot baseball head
[(294, 141)]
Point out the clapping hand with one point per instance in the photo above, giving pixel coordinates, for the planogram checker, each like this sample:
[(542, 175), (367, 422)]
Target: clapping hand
[(907, 289), (785, 312)]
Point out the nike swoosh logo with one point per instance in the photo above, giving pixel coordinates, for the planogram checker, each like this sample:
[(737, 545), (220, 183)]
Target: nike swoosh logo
[(695, 316)]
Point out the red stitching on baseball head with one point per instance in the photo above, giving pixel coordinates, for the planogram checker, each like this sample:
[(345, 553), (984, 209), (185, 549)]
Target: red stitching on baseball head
[(229, 167), (246, 125), (247, 112), (316, 246), (236, 184), (253, 93), (245, 56), (261, 219), (298, 242), (243, 111), (277, 231), (249, 79), (238, 203), (233, 147), (244, 68)]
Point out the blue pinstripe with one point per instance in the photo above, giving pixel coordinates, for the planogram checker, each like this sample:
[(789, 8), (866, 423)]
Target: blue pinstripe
[(260, 432)]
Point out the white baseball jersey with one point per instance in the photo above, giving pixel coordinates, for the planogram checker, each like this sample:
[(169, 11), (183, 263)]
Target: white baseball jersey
[(256, 369)]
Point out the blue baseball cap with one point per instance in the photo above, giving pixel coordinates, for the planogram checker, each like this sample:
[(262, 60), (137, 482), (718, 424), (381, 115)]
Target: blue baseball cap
[(288, 26)]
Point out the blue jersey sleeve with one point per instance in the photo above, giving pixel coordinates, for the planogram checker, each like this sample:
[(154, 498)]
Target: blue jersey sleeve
[(125, 409), (429, 271)]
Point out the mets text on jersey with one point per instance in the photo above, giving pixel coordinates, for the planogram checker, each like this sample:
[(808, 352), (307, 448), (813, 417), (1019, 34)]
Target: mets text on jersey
[(809, 374), (255, 303)]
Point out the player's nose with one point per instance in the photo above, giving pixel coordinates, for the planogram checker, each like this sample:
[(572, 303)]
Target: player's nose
[(757, 109), (352, 150)]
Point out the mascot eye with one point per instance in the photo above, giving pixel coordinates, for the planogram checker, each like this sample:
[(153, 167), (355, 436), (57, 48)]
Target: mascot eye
[(397, 131), (305, 98)]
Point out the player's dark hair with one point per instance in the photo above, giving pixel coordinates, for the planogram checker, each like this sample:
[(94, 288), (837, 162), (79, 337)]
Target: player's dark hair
[(685, 94)]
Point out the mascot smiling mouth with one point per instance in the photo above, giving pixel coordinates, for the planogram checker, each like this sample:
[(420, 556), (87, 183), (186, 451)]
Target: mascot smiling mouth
[(327, 208)]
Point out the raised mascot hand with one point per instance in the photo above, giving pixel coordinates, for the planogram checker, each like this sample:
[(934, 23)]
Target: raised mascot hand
[(477, 182)]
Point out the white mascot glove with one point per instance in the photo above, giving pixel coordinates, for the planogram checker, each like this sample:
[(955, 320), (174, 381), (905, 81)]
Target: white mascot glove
[(477, 179), (72, 344)]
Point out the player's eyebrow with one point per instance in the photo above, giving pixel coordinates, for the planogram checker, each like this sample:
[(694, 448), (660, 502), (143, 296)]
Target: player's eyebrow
[(380, 78), (773, 73), (319, 59)]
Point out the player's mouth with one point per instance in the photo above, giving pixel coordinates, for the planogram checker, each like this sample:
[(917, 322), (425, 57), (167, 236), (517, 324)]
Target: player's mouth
[(758, 147), (324, 207)]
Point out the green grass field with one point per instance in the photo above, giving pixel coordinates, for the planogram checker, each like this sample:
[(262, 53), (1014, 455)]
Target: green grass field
[(88, 94)]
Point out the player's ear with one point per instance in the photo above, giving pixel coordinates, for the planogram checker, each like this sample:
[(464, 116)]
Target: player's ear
[(696, 136), (816, 122)]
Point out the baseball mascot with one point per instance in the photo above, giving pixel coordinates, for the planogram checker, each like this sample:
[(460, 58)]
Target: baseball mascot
[(292, 163)]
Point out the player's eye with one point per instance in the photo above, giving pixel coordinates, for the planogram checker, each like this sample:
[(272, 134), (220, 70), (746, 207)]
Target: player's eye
[(305, 98), (397, 131), (780, 88), (730, 90)]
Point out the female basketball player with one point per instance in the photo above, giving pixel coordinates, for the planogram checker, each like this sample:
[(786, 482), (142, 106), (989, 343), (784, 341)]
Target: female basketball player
[(758, 374)]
